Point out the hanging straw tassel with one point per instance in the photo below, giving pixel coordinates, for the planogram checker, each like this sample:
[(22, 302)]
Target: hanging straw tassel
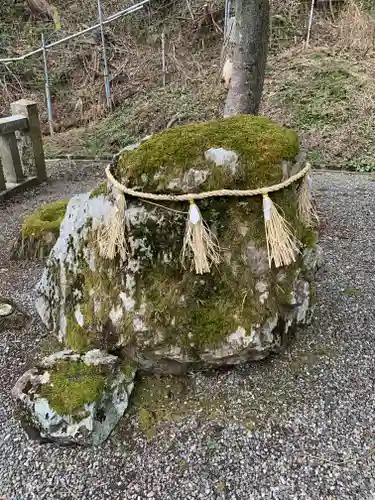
[(282, 245), (111, 235), (306, 205), (199, 242)]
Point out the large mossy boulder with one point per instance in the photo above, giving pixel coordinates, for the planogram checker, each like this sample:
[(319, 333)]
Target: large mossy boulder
[(165, 317), (39, 232)]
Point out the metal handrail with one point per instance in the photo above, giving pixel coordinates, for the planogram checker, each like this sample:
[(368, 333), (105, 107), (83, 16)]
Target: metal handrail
[(113, 17)]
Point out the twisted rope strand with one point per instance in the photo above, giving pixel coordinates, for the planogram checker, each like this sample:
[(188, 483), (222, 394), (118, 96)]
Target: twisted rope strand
[(207, 194)]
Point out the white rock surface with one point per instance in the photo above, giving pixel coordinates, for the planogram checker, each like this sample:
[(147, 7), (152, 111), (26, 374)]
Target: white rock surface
[(222, 157)]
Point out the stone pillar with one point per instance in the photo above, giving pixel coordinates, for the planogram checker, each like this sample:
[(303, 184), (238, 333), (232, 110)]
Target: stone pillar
[(12, 167), (2, 180), (30, 141)]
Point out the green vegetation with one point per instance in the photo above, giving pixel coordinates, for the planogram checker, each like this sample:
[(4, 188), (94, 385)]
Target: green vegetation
[(156, 400), (208, 313), (102, 189), (163, 399), (131, 122), (47, 219), (39, 232), (95, 292), (260, 144), (351, 292), (325, 95), (128, 368), (72, 385), (307, 358), (319, 102), (77, 338), (328, 101)]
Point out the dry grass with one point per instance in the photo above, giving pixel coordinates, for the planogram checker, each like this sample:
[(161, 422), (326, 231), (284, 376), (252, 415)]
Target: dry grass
[(325, 93), (355, 28), (193, 46), (144, 114), (76, 74), (328, 98)]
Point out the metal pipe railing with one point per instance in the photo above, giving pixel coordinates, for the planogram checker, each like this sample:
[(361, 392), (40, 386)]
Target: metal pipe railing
[(113, 17)]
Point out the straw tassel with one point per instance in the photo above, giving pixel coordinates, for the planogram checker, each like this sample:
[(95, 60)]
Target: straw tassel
[(282, 245), (199, 243), (111, 235), (306, 206)]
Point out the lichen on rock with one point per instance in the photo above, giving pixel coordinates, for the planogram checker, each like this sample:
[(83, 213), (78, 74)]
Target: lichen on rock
[(39, 232), (163, 316)]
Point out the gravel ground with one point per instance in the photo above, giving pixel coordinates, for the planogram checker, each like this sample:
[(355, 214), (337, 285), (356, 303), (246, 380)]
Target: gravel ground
[(299, 426)]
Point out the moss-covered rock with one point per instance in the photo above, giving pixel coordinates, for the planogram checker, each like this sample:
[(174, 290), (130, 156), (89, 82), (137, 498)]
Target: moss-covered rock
[(166, 317), (39, 232), (179, 159), (74, 399), (73, 385)]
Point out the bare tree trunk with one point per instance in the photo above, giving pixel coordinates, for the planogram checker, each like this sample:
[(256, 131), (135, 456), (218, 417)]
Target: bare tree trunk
[(249, 57), (40, 8)]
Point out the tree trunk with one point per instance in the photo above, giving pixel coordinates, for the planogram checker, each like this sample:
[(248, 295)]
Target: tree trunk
[(249, 57), (40, 8)]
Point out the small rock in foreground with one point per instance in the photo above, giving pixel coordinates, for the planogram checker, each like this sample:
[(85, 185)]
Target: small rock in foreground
[(74, 398), (11, 317)]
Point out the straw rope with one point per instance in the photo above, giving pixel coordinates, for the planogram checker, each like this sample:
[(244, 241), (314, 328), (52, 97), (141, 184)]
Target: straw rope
[(206, 194), (200, 244)]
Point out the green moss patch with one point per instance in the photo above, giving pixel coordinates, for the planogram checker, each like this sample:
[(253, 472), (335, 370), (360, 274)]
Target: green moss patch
[(72, 385), (159, 399), (39, 232), (95, 292), (77, 338), (267, 396), (199, 312), (261, 145), (209, 311), (314, 95), (101, 190), (47, 219)]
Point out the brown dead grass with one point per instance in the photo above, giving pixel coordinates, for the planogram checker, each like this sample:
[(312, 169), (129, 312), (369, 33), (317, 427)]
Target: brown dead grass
[(325, 93), (355, 28), (193, 45), (134, 52), (328, 97)]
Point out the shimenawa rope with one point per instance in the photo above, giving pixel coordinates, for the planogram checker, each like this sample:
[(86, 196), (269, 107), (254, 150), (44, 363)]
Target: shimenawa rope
[(206, 194), (200, 244)]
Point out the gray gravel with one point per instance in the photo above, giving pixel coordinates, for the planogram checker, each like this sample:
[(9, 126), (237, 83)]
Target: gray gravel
[(299, 426)]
